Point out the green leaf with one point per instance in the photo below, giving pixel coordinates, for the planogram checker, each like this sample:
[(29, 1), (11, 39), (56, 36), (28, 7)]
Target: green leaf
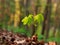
[(25, 20), (38, 18), (30, 19)]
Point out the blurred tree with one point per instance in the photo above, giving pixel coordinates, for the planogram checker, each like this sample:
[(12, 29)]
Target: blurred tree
[(33, 7), (26, 5), (58, 17), (26, 11), (55, 17), (42, 5), (11, 10), (2, 11), (47, 14), (34, 12), (17, 13)]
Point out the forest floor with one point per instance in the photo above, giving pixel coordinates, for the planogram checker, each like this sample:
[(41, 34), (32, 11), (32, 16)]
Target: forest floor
[(10, 38)]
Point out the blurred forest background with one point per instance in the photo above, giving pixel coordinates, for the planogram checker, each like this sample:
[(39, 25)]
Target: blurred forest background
[(29, 17)]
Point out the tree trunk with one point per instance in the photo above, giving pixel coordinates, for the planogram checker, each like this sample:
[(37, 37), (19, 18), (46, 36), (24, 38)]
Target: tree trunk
[(11, 19), (55, 20), (58, 18), (17, 13), (47, 15), (26, 2), (34, 9), (2, 14), (1, 8)]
